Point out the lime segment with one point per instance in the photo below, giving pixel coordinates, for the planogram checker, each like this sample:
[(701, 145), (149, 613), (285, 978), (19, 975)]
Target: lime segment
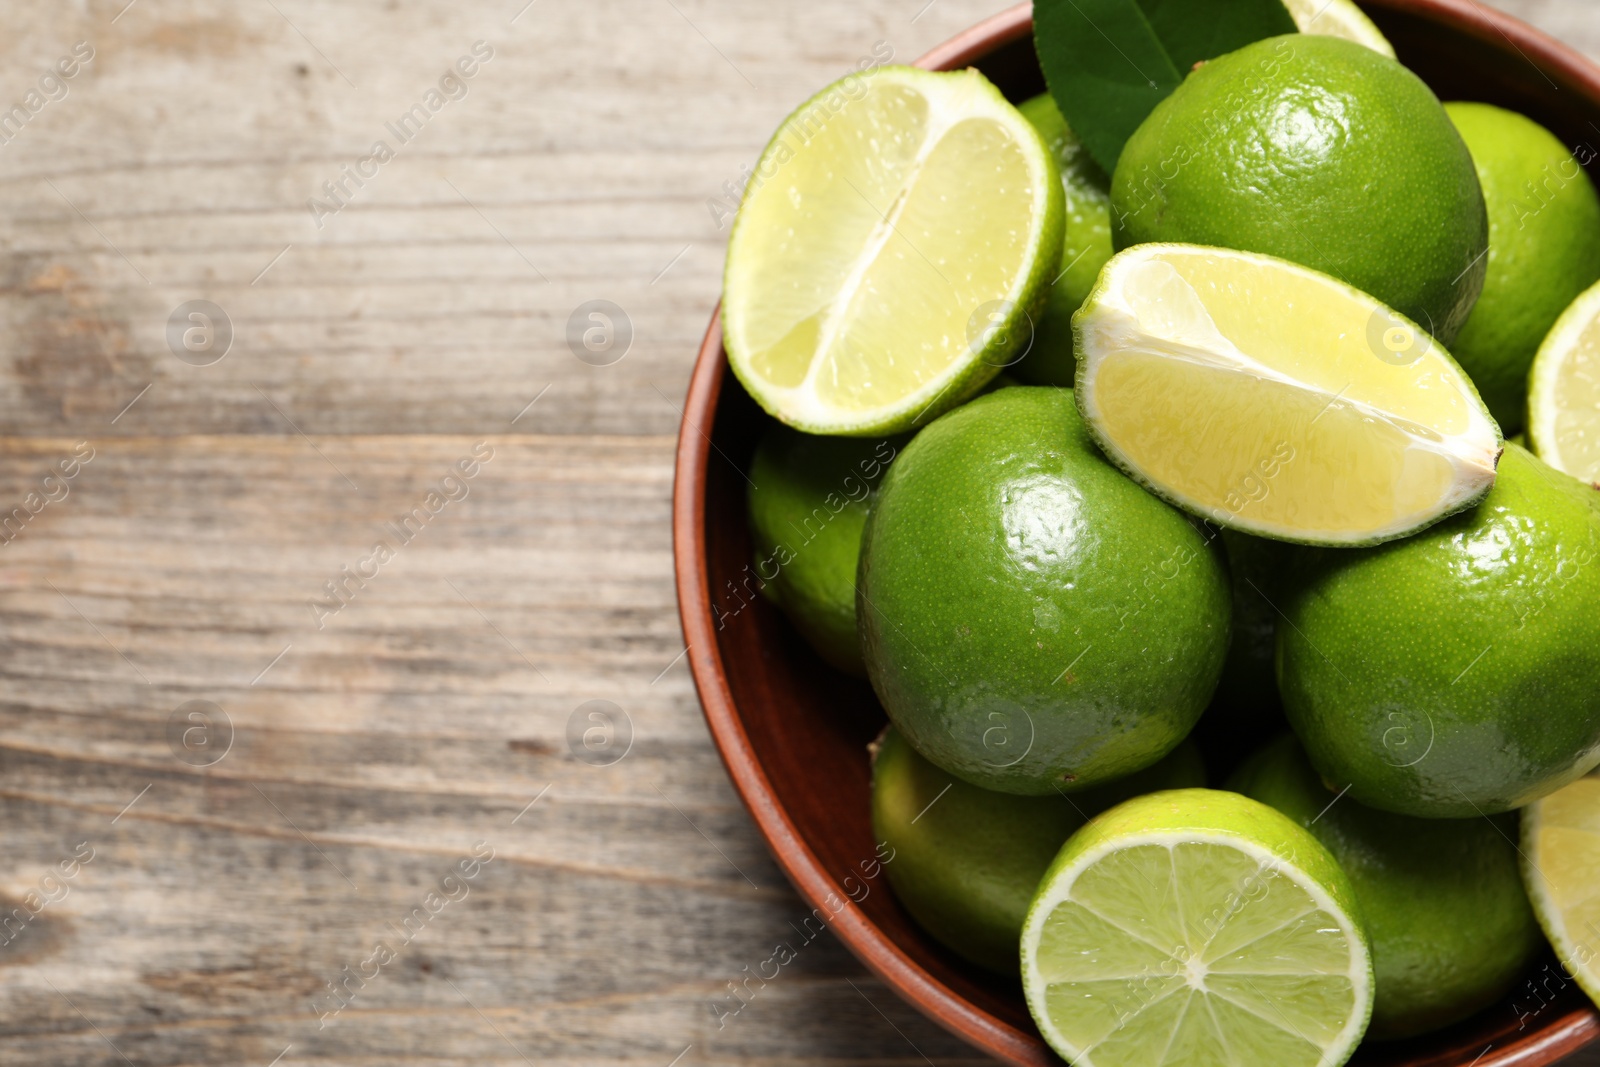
[(1270, 398), (1200, 928), (903, 226), (1561, 868), (1564, 392)]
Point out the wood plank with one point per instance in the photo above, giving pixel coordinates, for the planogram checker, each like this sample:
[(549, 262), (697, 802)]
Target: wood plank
[(577, 166), (368, 760)]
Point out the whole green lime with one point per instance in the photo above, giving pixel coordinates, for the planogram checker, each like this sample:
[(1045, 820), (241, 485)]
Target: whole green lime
[(1031, 619), (1544, 249), (807, 502), (1085, 248), (967, 860), (1452, 674), (1321, 151), (1441, 899)]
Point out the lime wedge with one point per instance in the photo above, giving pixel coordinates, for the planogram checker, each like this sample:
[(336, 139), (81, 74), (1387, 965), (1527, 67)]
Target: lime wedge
[(1338, 18), (1273, 399), (896, 239), (1561, 869), (1200, 928), (1564, 391)]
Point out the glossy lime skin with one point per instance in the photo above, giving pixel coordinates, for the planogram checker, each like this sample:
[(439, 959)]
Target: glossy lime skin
[(1031, 619), (1441, 899), (1452, 674), (1085, 247), (967, 860), (1320, 151), (807, 504), (1544, 250)]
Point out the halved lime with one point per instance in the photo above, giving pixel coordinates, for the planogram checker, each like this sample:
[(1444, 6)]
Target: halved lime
[(1338, 18), (1200, 928), (1564, 391), (1273, 399), (898, 235), (1561, 869)]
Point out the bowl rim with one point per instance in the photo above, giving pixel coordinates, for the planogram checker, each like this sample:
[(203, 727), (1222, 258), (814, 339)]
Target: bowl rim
[(1557, 1038)]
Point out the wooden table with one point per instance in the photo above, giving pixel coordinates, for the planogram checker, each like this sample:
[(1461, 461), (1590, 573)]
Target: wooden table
[(240, 749)]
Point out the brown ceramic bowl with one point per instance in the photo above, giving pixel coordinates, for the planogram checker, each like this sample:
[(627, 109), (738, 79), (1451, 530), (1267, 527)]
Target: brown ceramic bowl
[(794, 733)]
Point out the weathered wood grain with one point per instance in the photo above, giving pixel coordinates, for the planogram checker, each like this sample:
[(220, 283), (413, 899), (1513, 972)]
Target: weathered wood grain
[(431, 712), (426, 715), (578, 165)]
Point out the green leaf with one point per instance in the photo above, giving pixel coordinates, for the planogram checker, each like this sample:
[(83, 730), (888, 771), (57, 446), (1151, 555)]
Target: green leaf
[(1108, 63)]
